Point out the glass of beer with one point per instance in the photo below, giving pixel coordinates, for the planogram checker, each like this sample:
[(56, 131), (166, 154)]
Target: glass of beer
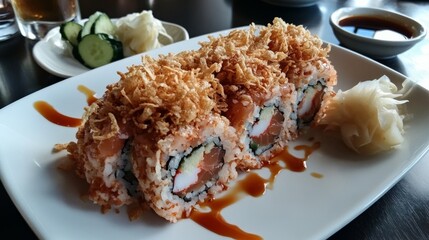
[(8, 26), (35, 18)]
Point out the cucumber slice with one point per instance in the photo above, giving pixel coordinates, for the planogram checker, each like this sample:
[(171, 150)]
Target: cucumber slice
[(118, 49), (88, 24), (95, 50), (70, 32), (103, 24), (76, 55)]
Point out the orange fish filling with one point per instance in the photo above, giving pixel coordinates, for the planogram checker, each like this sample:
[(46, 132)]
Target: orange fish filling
[(207, 168), (310, 104), (269, 136)]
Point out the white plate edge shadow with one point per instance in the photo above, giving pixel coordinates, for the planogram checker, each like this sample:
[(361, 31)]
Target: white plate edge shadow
[(51, 54), (43, 232)]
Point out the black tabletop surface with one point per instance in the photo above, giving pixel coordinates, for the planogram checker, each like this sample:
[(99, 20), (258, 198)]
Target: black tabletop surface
[(402, 213)]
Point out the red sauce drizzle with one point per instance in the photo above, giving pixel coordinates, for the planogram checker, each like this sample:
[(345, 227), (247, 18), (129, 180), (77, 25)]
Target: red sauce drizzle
[(52, 115), (252, 184)]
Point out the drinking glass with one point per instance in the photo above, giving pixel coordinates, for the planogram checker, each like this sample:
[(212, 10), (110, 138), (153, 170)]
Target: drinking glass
[(35, 18), (8, 26)]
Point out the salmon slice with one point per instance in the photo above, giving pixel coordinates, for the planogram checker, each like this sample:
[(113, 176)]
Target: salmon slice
[(268, 127), (310, 103), (202, 165), (239, 113), (110, 146)]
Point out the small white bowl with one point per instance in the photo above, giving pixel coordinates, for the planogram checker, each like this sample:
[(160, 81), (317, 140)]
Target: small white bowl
[(372, 47)]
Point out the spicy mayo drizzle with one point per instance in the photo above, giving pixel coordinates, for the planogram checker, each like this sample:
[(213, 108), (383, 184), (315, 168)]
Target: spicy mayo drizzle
[(209, 215), (52, 115)]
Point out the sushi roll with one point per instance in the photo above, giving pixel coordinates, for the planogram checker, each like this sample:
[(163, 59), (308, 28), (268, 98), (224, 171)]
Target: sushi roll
[(161, 113), (305, 64), (275, 78), (310, 96), (175, 130), (183, 150), (257, 95), (264, 126), (191, 164), (101, 156)]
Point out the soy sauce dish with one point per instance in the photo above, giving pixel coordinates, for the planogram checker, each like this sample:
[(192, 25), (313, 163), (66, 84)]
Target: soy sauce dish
[(375, 32)]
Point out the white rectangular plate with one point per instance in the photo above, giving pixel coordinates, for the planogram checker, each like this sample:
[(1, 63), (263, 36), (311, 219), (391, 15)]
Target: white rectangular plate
[(299, 207)]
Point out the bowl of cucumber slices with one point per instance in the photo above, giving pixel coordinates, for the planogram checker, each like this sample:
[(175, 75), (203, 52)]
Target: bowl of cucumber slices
[(94, 43), (76, 47)]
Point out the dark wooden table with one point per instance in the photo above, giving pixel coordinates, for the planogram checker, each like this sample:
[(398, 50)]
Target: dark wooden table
[(402, 213)]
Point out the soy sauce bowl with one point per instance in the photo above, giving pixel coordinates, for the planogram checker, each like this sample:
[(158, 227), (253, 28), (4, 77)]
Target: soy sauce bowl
[(370, 24)]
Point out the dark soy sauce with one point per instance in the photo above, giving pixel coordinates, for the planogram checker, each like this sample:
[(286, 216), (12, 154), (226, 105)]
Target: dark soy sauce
[(376, 27), (254, 185), (90, 95), (52, 115)]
